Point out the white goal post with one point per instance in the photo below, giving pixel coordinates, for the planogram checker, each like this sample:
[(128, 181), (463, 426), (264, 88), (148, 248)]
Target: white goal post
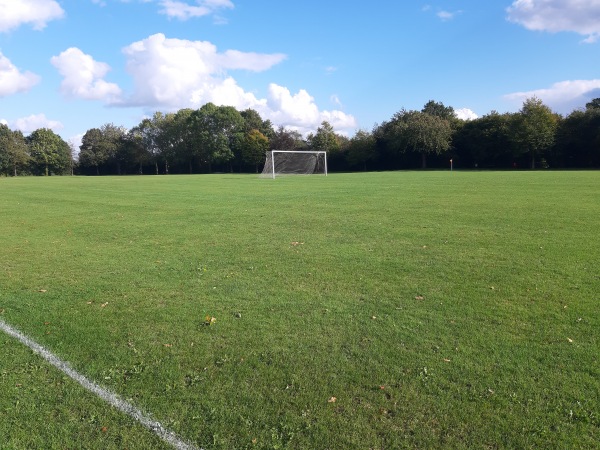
[(294, 162)]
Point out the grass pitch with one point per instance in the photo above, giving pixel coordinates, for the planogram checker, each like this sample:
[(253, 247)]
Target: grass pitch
[(380, 310)]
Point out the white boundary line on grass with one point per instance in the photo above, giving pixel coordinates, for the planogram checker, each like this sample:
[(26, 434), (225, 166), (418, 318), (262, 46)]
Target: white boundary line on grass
[(106, 395)]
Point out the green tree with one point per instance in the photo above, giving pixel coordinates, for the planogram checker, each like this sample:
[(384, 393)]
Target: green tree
[(90, 150), (286, 139), (485, 141), (593, 105), (134, 149), (14, 154), (253, 121), (254, 148), (534, 128), (177, 134), (438, 109), (214, 131), (362, 149), (325, 139), (578, 139), (101, 147), (415, 131), (49, 152)]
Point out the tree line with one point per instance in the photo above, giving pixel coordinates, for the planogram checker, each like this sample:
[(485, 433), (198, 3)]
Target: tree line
[(221, 138)]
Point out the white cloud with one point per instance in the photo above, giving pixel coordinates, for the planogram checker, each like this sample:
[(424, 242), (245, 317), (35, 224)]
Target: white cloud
[(183, 11), (564, 96), (14, 13), (177, 73), (579, 16), (447, 15), (33, 122), (12, 80), (255, 62), (83, 77), (299, 111), (465, 114)]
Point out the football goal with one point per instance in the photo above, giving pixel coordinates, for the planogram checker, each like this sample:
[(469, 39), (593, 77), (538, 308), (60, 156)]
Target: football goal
[(294, 162)]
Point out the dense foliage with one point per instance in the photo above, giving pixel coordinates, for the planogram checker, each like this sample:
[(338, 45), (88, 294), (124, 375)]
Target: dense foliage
[(221, 138)]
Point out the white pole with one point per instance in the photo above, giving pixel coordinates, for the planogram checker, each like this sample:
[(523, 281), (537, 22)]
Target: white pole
[(325, 153), (273, 163)]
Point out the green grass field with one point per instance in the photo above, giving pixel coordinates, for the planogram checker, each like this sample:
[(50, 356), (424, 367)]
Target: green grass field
[(379, 310)]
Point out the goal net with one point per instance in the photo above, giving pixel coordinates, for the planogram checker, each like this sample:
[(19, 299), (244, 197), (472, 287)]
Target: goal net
[(294, 162)]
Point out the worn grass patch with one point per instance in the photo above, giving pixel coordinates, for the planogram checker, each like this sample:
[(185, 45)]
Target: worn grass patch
[(388, 310)]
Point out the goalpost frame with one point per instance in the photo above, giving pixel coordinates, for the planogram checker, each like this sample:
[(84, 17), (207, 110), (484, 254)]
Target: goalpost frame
[(316, 152)]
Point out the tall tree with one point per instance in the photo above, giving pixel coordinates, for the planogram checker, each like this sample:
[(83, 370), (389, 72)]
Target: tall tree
[(421, 132), (535, 128), (593, 105), (90, 150), (439, 109), (578, 138), (325, 139), (255, 146), (149, 132), (13, 151), (253, 121), (49, 152), (214, 131), (485, 141), (101, 147), (286, 139), (362, 149)]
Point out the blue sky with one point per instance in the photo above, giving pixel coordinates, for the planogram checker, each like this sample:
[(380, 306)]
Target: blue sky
[(73, 65)]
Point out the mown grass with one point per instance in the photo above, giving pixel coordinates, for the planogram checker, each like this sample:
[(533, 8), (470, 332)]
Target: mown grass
[(438, 309)]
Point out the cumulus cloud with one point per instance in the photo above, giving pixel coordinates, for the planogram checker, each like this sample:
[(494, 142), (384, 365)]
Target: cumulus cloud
[(176, 73), (12, 80), (465, 114), (38, 13), (33, 122), (184, 10), (579, 16), (83, 77), (564, 96)]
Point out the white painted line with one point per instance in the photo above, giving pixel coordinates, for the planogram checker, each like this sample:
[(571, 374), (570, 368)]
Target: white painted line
[(108, 396)]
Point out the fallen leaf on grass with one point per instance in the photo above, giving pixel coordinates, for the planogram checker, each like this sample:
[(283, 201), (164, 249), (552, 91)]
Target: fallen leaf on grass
[(569, 339), (210, 320), (42, 291), (446, 360), (104, 304), (331, 400), (419, 297), (104, 429)]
